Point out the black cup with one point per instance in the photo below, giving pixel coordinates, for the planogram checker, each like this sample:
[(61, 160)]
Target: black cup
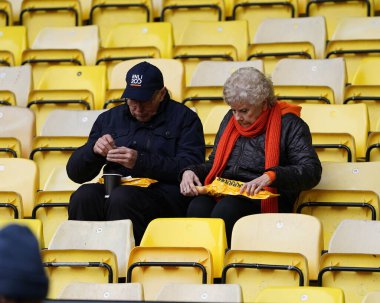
[(110, 182)]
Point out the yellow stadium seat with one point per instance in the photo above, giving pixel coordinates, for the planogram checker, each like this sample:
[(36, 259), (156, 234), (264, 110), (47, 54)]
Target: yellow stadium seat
[(309, 74), (15, 85), (34, 225), (51, 209), (16, 8), (68, 87), (304, 93), (282, 233), (116, 236), (86, 8), (297, 294), (108, 13), (365, 88), (200, 292), (17, 129), (254, 270), (155, 267), (257, 11), (51, 155), (211, 124), (189, 232), (350, 176), (334, 11), (172, 71), (355, 273), (362, 235), (333, 206), (102, 291), (136, 40), (351, 119), (278, 38), (37, 14), (12, 43), (75, 45), (181, 13), (64, 266), (373, 144), (355, 39), (215, 73), (6, 14), (20, 176), (211, 40)]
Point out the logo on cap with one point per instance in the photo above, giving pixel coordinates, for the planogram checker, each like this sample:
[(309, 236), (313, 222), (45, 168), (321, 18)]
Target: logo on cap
[(136, 80)]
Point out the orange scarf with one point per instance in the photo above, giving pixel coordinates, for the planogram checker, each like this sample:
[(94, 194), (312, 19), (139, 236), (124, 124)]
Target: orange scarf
[(269, 121)]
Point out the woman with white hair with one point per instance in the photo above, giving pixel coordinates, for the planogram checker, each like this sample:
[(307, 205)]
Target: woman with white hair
[(261, 142)]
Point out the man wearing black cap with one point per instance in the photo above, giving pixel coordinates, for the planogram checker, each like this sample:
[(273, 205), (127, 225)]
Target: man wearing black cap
[(150, 136), (22, 276)]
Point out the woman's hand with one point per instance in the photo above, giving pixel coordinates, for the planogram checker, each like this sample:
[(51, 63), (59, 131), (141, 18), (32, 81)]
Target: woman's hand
[(188, 183), (253, 187)]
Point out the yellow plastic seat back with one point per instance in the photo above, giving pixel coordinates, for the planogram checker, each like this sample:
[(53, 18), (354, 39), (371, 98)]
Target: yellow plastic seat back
[(52, 153), (17, 80), (355, 39), (212, 122), (254, 270), (181, 13), (20, 176), (297, 294), (331, 207), (51, 209), (34, 225), (349, 119), (335, 12), (361, 233), (314, 73), (172, 71), (116, 236), (155, 267), (211, 40), (17, 128), (280, 38), (107, 13), (291, 233), (215, 73), (199, 292), (101, 291), (356, 274), (37, 14), (64, 266), (256, 11), (365, 89), (127, 41), (13, 42), (189, 232)]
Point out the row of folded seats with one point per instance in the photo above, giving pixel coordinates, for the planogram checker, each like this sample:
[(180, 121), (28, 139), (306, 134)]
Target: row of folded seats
[(355, 38), (344, 120), (347, 190), (36, 14), (187, 259)]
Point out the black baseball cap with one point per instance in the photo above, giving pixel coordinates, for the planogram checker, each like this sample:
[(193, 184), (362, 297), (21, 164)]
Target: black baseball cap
[(143, 80)]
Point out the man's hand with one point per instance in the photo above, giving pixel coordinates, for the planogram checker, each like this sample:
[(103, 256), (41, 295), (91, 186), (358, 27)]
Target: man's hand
[(123, 155), (103, 145), (188, 183), (253, 187)]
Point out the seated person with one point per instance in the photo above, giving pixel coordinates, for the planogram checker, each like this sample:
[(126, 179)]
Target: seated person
[(150, 136), (261, 142)]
